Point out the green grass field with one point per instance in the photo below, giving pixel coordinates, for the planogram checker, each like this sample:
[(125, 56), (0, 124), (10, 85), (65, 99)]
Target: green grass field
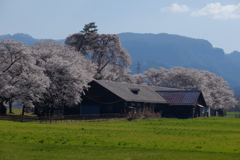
[(201, 138), (233, 114), (17, 111)]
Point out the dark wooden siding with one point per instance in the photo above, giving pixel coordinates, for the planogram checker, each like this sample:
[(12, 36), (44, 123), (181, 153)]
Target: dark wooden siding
[(177, 111), (99, 100)]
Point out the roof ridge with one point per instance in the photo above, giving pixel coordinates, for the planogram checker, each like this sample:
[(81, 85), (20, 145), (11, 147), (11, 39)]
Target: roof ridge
[(179, 91)]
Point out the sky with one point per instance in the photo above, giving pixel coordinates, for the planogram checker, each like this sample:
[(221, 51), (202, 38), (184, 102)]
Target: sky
[(217, 21)]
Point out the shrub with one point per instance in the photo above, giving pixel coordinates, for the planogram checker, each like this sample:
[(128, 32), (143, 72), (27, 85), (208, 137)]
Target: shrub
[(142, 113)]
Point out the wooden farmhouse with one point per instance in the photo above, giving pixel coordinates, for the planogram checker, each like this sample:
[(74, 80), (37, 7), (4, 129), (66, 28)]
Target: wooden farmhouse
[(182, 104), (105, 97)]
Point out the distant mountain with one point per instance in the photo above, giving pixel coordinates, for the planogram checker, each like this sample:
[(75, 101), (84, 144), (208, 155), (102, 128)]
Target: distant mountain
[(166, 50), (26, 39), (234, 56)]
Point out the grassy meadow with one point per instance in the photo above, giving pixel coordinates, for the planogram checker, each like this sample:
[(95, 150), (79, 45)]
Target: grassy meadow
[(233, 114), (202, 138)]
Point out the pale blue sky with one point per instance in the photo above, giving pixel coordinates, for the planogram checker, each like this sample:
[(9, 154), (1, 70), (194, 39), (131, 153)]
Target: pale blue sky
[(217, 21)]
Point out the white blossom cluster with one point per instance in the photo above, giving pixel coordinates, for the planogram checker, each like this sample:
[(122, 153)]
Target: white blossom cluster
[(68, 71), (215, 90), (47, 73)]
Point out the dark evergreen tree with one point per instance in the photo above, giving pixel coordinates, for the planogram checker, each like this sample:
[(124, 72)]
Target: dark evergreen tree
[(89, 28)]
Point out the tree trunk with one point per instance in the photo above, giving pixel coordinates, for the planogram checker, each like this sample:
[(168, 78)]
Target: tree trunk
[(36, 110), (23, 108), (10, 106), (51, 111), (47, 111)]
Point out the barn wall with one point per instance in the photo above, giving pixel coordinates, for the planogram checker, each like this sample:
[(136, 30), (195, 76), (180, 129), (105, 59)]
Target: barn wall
[(177, 111), (99, 100)]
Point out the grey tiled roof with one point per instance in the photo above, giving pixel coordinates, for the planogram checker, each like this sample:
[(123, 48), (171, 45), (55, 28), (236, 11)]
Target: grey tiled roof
[(156, 88), (180, 97), (145, 94)]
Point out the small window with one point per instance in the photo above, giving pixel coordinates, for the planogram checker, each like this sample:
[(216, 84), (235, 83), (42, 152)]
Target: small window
[(134, 90)]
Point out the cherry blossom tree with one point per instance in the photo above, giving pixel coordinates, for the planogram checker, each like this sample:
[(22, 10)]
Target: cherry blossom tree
[(104, 50), (21, 80), (68, 71), (117, 74), (215, 90)]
